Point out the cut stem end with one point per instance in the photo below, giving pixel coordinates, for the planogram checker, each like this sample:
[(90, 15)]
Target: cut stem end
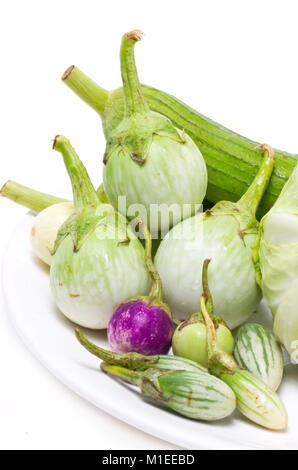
[(67, 73), (135, 35), (267, 148)]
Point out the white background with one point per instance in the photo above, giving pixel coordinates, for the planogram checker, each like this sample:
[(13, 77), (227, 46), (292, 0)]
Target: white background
[(234, 61)]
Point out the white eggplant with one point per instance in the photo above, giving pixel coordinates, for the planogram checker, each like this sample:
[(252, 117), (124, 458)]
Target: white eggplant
[(45, 229), (148, 161), (226, 234)]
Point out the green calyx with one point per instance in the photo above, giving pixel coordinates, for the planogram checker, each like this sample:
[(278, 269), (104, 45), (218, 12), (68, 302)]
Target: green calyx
[(134, 135), (89, 211), (147, 380), (244, 211), (197, 317), (246, 221)]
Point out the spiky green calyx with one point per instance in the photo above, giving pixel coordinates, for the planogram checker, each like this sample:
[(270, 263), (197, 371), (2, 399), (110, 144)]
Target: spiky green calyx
[(89, 211)]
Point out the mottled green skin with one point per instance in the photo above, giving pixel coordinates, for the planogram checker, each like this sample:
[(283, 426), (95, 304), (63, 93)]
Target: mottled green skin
[(257, 350), (190, 341), (173, 173), (195, 395), (90, 283), (231, 273)]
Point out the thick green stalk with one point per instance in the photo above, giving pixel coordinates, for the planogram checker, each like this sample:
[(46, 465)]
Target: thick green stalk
[(232, 160), (131, 360), (86, 88), (83, 191), (133, 96), (253, 196), (34, 200)]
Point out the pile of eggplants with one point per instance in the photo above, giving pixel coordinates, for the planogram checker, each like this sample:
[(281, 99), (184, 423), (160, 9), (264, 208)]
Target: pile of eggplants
[(159, 271)]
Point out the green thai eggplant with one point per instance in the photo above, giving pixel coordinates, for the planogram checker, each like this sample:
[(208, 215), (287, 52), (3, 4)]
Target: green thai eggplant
[(190, 338), (156, 167)]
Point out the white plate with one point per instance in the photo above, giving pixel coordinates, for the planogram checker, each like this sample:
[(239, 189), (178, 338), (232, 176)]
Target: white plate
[(51, 338)]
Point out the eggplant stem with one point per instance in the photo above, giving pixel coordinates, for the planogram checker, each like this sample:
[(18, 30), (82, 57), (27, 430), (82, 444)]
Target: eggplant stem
[(252, 198), (94, 95), (133, 95), (83, 191), (209, 302), (130, 360), (34, 200)]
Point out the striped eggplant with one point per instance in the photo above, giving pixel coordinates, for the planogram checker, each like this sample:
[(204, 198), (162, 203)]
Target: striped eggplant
[(255, 399), (197, 396), (181, 384), (257, 350)]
